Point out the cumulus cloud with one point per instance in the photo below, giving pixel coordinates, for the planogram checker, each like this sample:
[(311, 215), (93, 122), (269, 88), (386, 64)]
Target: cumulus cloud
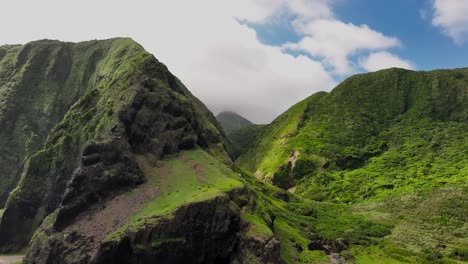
[(335, 42), (258, 11), (384, 60), (451, 16), (204, 43), (221, 61)]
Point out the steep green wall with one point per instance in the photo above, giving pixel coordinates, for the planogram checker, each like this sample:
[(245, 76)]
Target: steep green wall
[(94, 104), (39, 82), (352, 137)]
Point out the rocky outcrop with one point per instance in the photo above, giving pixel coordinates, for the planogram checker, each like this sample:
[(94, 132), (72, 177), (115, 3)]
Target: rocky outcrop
[(211, 231), (328, 245), (256, 250), (205, 232)]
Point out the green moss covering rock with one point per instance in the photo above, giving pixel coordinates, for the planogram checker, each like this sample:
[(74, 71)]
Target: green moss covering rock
[(104, 101)]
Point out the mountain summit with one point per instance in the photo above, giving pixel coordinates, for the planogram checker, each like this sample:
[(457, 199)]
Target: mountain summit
[(231, 121), (100, 141)]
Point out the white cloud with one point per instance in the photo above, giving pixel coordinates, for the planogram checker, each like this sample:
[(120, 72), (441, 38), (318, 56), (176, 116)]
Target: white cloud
[(452, 17), (384, 60), (335, 42), (259, 11), (221, 61)]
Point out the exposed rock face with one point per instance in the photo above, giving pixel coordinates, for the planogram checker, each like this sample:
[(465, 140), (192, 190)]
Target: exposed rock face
[(206, 232), (262, 251), (327, 245), (203, 232)]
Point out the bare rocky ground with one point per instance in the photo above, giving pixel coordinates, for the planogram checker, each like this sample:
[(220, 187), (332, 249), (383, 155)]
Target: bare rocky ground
[(11, 259)]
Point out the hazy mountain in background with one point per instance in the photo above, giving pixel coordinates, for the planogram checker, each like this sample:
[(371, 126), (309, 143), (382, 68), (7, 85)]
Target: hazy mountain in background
[(231, 121)]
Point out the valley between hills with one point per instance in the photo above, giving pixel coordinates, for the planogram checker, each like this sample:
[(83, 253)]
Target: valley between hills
[(108, 158)]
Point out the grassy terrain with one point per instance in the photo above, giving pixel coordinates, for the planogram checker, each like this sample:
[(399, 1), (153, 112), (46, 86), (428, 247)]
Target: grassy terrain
[(264, 158), (389, 146), (380, 163), (195, 176), (240, 133), (424, 228), (192, 177), (67, 94)]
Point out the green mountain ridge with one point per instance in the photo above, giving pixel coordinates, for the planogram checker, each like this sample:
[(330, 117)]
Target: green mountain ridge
[(391, 144), (109, 100), (108, 158), (360, 119)]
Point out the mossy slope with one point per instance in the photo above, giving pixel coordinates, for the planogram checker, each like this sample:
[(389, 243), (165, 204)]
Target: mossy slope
[(393, 145), (39, 82), (113, 100), (185, 192), (361, 119)]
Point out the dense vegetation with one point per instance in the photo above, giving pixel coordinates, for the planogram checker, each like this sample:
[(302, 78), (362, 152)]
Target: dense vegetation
[(391, 145), (240, 133), (109, 159), (244, 137), (129, 103)]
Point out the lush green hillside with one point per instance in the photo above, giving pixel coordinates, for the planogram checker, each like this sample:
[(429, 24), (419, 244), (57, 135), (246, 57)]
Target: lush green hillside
[(393, 144), (244, 137), (110, 159), (134, 171), (39, 82), (90, 108), (231, 121), (364, 119), (240, 132)]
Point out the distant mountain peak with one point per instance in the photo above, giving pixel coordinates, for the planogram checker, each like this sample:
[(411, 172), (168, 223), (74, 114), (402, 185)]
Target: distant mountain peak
[(231, 121)]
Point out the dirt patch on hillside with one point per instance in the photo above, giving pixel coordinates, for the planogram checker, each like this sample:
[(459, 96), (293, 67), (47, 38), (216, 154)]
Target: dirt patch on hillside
[(113, 214), (10, 259), (199, 171), (98, 222), (197, 167)]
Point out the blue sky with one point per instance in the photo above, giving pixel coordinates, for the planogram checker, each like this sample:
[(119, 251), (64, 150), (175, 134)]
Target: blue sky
[(409, 20), (423, 43)]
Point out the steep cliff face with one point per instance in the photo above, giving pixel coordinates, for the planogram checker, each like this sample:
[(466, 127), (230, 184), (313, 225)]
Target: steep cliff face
[(38, 84), (102, 101)]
